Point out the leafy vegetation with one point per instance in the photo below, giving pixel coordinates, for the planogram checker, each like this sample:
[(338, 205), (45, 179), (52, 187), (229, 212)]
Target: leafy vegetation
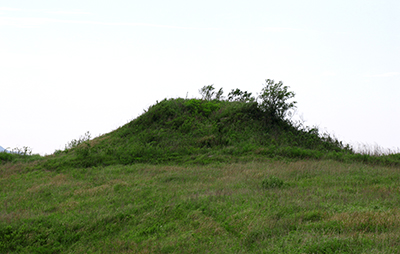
[(203, 176), (274, 100), (238, 95), (208, 93)]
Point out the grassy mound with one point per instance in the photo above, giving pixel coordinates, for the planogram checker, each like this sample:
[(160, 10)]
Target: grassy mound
[(194, 131)]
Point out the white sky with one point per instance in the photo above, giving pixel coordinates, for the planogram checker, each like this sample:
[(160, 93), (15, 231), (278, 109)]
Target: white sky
[(67, 67)]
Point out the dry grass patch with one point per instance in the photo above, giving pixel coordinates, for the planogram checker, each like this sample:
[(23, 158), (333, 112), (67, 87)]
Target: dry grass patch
[(15, 168), (97, 140), (93, 191), (204, 225), (369, 221), (68, 205), (14, 216), (55, 181)]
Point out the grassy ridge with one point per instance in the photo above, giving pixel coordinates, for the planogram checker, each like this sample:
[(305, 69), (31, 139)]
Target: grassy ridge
[(316, 207)]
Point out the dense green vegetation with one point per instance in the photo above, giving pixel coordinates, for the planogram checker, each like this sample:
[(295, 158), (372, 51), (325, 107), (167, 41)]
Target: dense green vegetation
[(198, 131), (18, 155), (208, 175)]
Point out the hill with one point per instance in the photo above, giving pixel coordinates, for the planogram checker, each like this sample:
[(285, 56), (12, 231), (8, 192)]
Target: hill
[(199, 131), (195, 131)]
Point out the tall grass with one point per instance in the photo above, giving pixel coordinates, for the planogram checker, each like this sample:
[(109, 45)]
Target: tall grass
[(375, 149)]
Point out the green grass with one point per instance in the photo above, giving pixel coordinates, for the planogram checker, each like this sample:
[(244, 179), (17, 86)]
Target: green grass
[(316, 207)]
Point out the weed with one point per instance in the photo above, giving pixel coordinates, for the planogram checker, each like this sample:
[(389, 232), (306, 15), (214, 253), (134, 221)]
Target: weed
[(272, 182), (76, 142), (22, 151), (339, 245)]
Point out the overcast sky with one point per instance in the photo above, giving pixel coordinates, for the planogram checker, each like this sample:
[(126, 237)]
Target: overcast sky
[(67, 67)]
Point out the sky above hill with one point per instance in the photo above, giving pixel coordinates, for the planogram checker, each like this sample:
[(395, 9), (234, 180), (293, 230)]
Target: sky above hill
[(67, 67)]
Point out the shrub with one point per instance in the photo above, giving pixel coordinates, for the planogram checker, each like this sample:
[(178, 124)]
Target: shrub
[(272, 182), (5, 157), (274, 99), (208, 94), (22, 151), (238, 95), (75, 142)]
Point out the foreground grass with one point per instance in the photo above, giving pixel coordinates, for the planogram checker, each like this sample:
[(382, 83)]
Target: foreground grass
[(268, 207)]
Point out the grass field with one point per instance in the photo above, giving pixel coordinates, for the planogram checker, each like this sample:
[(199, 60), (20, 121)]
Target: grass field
[(303, 206)]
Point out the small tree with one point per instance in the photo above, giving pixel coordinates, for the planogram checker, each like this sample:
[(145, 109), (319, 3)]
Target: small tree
[(238, 95), (274, 99), (207, 93)]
